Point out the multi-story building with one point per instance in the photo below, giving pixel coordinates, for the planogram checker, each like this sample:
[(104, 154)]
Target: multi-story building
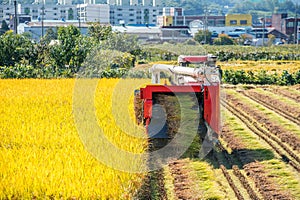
[(135, 2), (93, 13), (134, 14), (50, 12), (238, 20), (6, 11), (175, 17)]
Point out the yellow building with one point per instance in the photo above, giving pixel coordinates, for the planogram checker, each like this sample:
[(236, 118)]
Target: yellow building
[(238, 20), (167, 20)]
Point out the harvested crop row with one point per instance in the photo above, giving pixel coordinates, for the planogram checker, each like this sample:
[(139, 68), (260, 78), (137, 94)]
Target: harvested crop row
[(266, 136), (273, 127), (236, 169), (268, 189), (182, 183), (153, 186), (288, 111), (286, 93)]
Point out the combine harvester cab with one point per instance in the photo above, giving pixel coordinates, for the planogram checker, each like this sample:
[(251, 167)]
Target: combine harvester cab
[(202, 80)]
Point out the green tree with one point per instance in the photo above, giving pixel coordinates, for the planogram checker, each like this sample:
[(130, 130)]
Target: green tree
[(99, 32), (4, 27), (203, 37), (14, 48), (71, 49), (50, 35), (224, 40), (122, 42)]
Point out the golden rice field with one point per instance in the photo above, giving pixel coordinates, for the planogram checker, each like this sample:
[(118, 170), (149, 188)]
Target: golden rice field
[(276, 66), (248, 65), (41, 154)]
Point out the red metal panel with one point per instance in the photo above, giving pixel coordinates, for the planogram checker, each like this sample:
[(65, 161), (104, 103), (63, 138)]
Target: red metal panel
[(147, 108), (146, 93), (212, 106), (195, 59)]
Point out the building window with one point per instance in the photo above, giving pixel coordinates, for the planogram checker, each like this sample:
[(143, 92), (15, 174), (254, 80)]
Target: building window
[(131, 9), (243, 22), (119, 9), (290, 25), (119, 14), (131, 20), (233, 22), (54, 8), (131, 15)]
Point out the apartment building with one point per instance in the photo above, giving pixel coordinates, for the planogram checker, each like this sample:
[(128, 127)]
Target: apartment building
[(134, 14), (135, 2), (50, 12), (93, 13)]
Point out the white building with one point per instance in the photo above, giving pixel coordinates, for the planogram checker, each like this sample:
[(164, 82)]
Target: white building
[(93, 13), (64, 2), (134, 14), (7, 10), (51, 12), (135, 2)]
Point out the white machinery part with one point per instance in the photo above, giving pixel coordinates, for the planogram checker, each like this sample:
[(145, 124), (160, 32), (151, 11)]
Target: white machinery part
[(184, 75)]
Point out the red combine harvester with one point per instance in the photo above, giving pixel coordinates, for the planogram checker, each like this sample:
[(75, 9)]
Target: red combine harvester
[(201, 79)]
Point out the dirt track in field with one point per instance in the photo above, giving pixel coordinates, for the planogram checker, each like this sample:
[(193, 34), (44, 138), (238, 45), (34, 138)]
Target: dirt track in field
[(269, 138), (183, 185), (289, 111), (272, 126), (285, 93), (268, 189)]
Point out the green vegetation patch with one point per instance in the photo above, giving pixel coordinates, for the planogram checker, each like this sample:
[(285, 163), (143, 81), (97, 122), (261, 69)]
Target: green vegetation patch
[(282, 174), (205, 180), (269, 114)]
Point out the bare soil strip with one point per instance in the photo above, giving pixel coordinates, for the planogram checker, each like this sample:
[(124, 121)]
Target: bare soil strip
[(235, 143), (255, 127), (182, 183), (286, 93), (238, 195), (289, 112), (259, 118), (297, 87), (153, 187), (268, 189)]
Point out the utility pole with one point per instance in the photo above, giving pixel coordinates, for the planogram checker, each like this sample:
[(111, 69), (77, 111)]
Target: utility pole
[(296, 25), (43, 12), (16, 18)]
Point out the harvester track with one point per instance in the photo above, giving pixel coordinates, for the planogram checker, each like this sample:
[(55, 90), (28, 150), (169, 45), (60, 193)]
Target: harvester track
[(287, 94), (182, 183), (286, 154), (278, 110), (236, 171)]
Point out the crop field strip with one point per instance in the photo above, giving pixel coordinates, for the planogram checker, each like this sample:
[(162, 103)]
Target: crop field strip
[(287, 111), (288, 92), (280, 127), (285, 152), (253, 155), (237, 173)]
